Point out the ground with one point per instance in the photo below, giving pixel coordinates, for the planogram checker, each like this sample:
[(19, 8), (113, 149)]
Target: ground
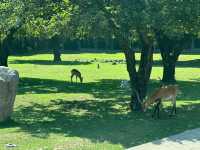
[(51, 113)]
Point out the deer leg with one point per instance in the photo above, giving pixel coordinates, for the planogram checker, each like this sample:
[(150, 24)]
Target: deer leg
[(76, 79), (155, 110), (158, 111), (171, 114), (173, 111), (173, 108), (71, 78)]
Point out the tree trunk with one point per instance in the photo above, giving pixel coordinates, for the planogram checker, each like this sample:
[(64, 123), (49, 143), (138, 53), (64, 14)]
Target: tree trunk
[(169, 60), (96, 43), (4, 51), (170, 50), (131, 68), (4, 48), (54, 44), (79, 45), (3, 58), (192, 43), (57, 56), (139, 80), (169, 73)]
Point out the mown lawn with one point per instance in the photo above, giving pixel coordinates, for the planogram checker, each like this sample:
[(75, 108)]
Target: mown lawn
[(51, 113)]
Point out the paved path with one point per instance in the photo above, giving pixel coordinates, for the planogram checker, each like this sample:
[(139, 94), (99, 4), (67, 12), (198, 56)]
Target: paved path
[(188, 140)]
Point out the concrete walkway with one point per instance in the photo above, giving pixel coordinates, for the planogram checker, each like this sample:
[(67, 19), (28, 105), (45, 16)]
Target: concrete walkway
[(188, 140)]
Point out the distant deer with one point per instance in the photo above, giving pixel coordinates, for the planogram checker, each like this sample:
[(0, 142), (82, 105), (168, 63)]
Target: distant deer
[(164, 93), (75, 72)]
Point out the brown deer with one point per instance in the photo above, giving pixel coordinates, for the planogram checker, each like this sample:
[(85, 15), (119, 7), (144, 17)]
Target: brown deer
[(164, 93), (75, 72)]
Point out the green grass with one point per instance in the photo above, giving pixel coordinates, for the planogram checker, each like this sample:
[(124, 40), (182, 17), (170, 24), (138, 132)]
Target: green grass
[(51, 113)]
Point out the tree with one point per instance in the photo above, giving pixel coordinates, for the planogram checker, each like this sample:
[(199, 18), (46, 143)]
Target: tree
[(10, 22), (169, 23), (175, 23), (129, 22), (38, 18)]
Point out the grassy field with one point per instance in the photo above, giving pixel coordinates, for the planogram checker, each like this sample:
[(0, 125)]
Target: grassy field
[(50, 113)]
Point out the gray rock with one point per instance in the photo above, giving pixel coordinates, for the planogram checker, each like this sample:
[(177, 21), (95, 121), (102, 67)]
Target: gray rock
[(8, 86)]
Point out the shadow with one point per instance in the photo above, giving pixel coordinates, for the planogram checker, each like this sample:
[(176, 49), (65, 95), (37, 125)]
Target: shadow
[(190, 63), (81, 51), (48, 62), (191, 133), (102, 119), (156, 63), (182, 138), (99, 51), (181, 64), (105, 88), (9, 124)]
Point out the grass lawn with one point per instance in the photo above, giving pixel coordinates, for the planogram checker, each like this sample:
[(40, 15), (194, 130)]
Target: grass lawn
[(51, 113)]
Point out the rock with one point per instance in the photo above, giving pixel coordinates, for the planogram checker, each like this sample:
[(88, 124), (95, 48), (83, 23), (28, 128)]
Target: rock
[(8, 86)]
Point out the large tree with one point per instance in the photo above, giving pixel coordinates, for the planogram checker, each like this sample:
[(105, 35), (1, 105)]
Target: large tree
[(170, 23), (45, 19), (129, 22), (10, 21), (175, 23)]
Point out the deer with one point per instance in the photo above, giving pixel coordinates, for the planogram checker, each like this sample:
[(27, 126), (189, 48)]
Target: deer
[(163, 93), (77, 73)]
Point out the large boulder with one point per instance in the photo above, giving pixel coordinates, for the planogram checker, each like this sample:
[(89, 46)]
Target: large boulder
[(8, 86)]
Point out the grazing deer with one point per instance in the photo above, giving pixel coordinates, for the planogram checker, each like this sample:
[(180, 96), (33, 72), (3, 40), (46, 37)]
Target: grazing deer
[(164, 93), (75, 72)]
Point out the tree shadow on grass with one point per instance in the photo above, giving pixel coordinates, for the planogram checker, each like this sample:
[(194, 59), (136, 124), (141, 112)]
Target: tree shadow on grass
[(195, 63), (82, 51), (101, 119), (49, 62), (182, 138), (9, 124), (105, 88), (180, 64)]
